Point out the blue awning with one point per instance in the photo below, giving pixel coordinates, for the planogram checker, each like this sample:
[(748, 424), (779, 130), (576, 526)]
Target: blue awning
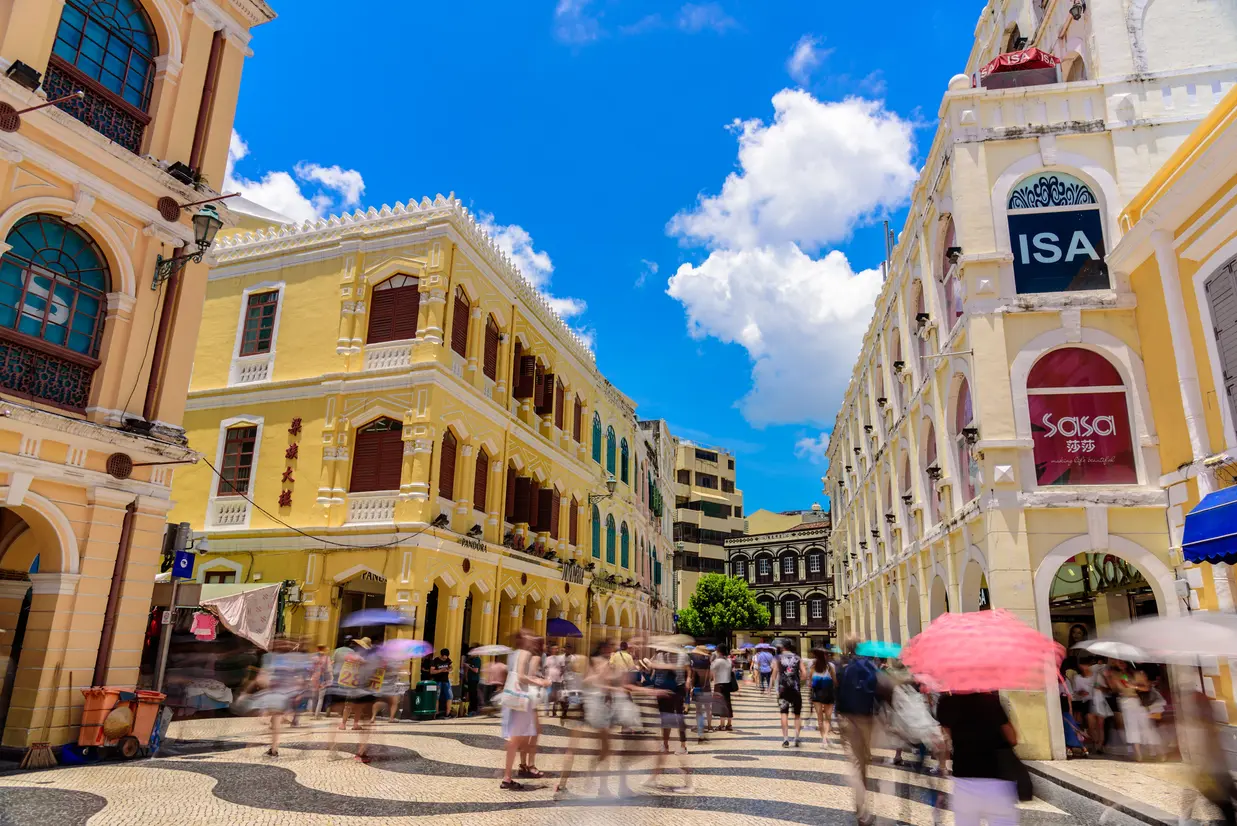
[(1211, 529)]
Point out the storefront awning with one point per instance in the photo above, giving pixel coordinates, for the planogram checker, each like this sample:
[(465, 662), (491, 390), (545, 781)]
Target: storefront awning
[(1020, 61), (1211, 529)]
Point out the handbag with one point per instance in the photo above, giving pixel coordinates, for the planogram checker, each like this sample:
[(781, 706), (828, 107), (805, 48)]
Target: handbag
[(734, 683), (1014, 770), (512, 696)]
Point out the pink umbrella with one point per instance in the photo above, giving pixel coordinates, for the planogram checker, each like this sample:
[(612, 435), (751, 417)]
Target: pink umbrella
[(400, 649), (982, 651)]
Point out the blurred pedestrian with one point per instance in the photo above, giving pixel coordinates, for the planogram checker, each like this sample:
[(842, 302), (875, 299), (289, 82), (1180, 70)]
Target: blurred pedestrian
[(622, 659), (702, 691), (1211, 765), (858, 685), (981, 742), (672, 680), (519, 701), (823, 689), (471, 680), (601, 688), (722, 675), (764, 666), (319, 678), (556, 673), (788, 674), (353, 694)]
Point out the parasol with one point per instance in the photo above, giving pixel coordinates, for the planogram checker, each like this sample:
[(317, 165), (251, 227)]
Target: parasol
[(405, 649), (1114, 649), (673, 640), (559, 627), (1182, 640), (764, 646), (982, 651), (374, 616), (1017, 61), (878, 649), (490, 650), (746, 646)]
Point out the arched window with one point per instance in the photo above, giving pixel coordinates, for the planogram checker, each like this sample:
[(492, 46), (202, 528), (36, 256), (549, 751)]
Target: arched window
[(623, 459), (378, 456), (921, 340), (764, 570), (596, 533), (609, 539), (597, 438), (459, 322), (895, 351), (481, 480), (53, 286), (624, 547), (738, 568), (1080, 420), (611, 449), (573, 523), (106, 49), (490, 362), (815, 564), (393, 308), (790, 610), (790, 567), (816, 609), (446, 467), (950, 275), (1056, 234), (767, 603), (931, 468), (964, 419)]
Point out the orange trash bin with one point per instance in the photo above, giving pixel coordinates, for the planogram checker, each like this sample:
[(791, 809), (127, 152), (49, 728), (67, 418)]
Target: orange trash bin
[(145, 713), (100, 701)]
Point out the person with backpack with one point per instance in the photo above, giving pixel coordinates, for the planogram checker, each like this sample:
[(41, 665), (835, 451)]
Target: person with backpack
[(789, 672), (824, 679), (858, 687)]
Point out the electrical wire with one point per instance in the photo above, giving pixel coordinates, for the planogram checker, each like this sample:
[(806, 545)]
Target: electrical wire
[(154, 322), (392, 544)]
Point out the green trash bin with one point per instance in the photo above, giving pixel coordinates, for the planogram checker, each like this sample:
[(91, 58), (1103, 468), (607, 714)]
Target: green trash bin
[(425, 702)]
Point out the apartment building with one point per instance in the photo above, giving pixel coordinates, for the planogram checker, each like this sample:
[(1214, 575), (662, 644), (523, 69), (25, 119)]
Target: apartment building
[(708, 511)]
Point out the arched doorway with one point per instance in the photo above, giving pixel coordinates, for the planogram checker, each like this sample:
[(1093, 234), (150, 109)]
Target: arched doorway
[(913, 623), (363, 591), (975, 595), (880, 619), (895, 622), (939, 602), (1094, 591)]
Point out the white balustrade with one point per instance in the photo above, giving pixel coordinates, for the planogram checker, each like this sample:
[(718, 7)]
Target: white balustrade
[(251, 369), (385, 356), (372, 507), (229, 512)]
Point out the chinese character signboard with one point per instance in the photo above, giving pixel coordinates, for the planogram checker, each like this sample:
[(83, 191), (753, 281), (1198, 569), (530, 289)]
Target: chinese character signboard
[(1082, 439)]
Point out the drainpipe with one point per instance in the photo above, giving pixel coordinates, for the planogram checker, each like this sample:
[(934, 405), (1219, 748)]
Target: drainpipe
[(150, 408), (209, 87), (106, 636), (1183, 347)]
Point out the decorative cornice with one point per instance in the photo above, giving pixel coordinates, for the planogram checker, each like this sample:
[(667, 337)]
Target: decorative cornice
[(290, 238)]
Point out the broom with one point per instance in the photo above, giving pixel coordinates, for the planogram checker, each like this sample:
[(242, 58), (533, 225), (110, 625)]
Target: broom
[(40, 754)]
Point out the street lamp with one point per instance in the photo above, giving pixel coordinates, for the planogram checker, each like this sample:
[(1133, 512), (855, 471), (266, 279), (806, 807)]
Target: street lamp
[(611, 484), (206, 224)]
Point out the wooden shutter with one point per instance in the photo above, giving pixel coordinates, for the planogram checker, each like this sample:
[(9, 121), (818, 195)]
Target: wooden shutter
[(538, 387), (535, 496), (517, 355), (381, 316), (526, 381), (459, 323), (1221, 291), (573, 523), (546, 390), (377, 457), (523, 497), (577, 425), (545, 511), (556, 505), (559, 403), (481, 481), (509, 510), (490, 362), (446, 467), (407, 305), (390, 459)]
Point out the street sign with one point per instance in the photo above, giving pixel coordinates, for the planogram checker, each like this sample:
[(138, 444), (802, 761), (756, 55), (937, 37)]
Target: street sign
[(182, 568)]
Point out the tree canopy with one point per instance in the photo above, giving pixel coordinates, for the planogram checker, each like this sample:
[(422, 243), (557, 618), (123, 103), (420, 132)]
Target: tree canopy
[(720, 605)]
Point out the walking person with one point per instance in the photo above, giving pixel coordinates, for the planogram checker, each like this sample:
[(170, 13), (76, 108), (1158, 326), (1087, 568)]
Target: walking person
[(702, 691), (519, 716), (722, 675), (672, 679), (555, 672), (789, 672), (981, 741), (764, 667), (858, 684), (822, 687), (471, 680)]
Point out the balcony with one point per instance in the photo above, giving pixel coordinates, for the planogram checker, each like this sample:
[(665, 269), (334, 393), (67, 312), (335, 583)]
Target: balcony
[(251, 369), (28, 369), (371, 507), (229, 512), (100, 109), (386, 356)]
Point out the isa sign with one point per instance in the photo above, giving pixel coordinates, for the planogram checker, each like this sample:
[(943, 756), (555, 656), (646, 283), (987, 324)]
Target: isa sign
[(1058, 251), (182, 567)]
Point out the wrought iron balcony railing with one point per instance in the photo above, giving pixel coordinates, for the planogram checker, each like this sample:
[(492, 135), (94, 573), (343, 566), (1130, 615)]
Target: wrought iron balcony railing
[(61, 378), (103, 111)]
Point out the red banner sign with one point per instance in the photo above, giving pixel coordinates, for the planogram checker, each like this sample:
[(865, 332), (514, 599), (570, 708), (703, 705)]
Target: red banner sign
[(1082, 439)]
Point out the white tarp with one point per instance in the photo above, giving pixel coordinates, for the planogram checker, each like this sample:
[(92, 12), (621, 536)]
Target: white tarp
[(249, 613)]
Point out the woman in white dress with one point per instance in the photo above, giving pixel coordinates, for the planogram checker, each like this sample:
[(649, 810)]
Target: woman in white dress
[(519, 699)]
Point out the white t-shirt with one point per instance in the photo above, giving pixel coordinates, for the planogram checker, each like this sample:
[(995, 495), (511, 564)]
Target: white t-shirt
[(721, 670), (555, 665)]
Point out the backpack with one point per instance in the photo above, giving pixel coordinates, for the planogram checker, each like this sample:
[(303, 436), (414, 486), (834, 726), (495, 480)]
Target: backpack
[(856, 691), (788, 679)]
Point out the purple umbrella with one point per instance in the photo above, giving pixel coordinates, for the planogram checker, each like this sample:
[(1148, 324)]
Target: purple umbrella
[(375, 616), (405, 649)]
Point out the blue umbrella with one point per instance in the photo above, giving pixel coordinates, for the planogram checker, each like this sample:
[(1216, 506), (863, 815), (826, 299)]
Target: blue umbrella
[(710, 648), (747, 645), (878, 649), (559, 627), (375, 616)]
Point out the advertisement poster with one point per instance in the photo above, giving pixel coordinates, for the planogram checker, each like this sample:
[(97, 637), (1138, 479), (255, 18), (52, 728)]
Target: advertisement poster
[(1082, 439), (1058, 251)]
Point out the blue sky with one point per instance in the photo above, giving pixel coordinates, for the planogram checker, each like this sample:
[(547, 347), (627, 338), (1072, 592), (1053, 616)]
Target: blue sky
[(699, 185)]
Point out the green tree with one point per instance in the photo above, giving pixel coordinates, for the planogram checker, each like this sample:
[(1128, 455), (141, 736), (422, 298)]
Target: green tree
[(720, 605)]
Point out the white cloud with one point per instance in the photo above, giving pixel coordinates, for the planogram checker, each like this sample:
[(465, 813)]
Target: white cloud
[(809, 177), (280, 191), (698, 17), (806, 58), (800, 319), (647, 268), (573, 23), (535, 264), (814, 450)]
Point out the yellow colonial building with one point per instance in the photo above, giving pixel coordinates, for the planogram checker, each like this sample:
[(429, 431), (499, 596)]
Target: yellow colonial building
[(1000, 443), (95, 351), (393, 416)]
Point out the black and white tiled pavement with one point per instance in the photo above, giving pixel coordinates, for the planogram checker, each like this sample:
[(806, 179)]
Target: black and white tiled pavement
[(448, 771)]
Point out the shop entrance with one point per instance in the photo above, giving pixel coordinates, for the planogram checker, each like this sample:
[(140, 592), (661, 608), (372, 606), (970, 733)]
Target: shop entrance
[(364, 591), (1092, 592)]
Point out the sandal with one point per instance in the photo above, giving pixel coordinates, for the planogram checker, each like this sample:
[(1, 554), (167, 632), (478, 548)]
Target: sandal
[(363, 758), (512, 786), (531, 772)]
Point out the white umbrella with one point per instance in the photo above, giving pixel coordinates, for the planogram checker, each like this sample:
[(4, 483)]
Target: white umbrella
[(1183, 640), (489, 650), (1115, 649)]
